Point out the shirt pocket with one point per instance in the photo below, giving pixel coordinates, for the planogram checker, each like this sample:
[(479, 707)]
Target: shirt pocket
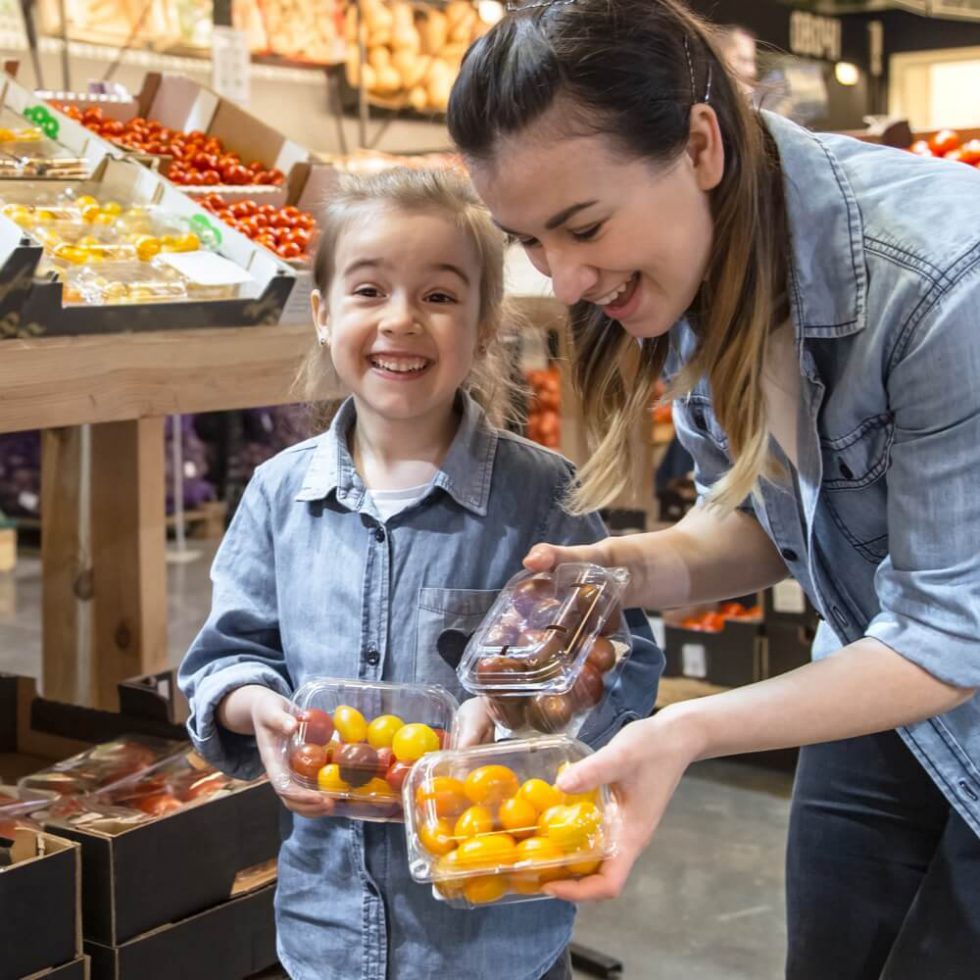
[(440, 610), (853, 487)]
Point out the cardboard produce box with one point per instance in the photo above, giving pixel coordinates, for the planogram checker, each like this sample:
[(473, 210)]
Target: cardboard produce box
[(730, 657), (39, 894), (787, 647), (138, 877), (78, 969), (228, 942)]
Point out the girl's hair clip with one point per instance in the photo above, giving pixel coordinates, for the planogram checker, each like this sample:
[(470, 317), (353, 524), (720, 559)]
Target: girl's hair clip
[(690, 69), (514, 7)]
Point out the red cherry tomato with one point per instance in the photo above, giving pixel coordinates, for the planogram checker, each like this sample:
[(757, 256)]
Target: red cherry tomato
[(395, 777), (970, 152), (316, 726), (942, 142), (307, 760)]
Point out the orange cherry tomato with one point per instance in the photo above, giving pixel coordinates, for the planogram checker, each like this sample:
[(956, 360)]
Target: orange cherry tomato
[(474, 821), (437, 837), (492, 852), (443, 875), (411, 742), (541, 856), (573, 828), (517, 816), (485, 889), (307, 760), (540, 794), (491, 784), (584, 868), (442, 795)]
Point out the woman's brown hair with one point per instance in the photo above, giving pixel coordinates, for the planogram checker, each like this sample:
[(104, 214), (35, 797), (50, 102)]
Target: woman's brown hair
[(631, 70)]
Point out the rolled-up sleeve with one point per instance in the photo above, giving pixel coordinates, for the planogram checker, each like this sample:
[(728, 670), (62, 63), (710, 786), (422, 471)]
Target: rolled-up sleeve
[(634, 689), (240, 642), (928, 586)]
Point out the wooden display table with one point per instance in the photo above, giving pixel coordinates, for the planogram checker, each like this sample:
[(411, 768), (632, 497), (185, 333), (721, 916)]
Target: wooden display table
[(108, 595)]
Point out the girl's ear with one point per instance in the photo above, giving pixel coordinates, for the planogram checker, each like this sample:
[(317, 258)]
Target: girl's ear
[(321, 318)]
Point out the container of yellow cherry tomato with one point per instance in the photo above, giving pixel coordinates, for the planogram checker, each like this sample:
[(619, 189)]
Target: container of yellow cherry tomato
[(357, 741), (488, 824)]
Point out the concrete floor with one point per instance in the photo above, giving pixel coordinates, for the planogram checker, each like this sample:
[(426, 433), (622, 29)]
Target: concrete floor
[(704, 903)]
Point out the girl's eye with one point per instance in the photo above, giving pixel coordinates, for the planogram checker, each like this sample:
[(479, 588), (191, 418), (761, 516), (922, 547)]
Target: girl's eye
[(587, 234), (370, 292), (440, 297)]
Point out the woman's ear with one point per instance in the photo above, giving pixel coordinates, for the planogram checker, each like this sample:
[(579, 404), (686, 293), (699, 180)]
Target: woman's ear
[(321, 319), (705, 147)]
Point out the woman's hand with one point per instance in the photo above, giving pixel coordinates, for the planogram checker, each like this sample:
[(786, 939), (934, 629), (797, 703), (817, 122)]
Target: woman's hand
[(472, 724), (645, 762), (273, 723)]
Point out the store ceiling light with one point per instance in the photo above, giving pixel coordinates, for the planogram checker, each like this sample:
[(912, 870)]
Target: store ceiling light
[(490, 11), (847, 73)]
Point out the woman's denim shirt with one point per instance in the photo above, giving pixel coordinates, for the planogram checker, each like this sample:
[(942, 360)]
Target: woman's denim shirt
[(309, 582), (882, 523)]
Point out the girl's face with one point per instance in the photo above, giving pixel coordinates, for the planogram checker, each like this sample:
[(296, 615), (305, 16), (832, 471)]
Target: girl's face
[(629, 235), (402, 312)]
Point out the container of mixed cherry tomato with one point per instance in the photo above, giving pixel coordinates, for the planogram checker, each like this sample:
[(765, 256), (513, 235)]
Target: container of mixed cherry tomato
[(357, 740), (488, 824), (548, 648)]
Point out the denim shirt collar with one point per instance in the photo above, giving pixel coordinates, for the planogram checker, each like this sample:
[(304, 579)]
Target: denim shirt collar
[(828, 279), (465, 473)]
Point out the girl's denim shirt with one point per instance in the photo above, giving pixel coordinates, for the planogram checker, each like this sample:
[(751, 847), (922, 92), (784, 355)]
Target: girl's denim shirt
[(881, 522), (309, 582)]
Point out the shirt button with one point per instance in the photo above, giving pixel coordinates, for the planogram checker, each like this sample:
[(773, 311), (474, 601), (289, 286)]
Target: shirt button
[(373, 657), (789, 554), (379, 534)]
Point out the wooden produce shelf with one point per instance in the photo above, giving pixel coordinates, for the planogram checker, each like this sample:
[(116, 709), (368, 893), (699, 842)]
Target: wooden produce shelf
[(673, 690), (123, 385)]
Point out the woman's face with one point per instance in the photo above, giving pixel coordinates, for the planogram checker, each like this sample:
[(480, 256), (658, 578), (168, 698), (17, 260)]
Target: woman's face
[(629, 235)]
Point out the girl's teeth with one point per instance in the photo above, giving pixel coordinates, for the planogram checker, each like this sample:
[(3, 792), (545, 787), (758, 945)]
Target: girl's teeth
[(400, 367)]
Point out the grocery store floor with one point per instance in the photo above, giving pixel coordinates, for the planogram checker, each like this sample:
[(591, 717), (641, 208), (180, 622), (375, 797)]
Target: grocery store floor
[(706, 900)]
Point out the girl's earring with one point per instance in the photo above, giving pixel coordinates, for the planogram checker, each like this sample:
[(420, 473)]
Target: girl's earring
[(324, 342)]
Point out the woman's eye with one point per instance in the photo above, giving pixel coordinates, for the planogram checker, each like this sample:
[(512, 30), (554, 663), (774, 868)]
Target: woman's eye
[(587, 234), (523, 240)]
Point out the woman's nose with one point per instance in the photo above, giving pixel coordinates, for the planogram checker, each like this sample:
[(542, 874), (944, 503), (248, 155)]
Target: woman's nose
[(571, 279)]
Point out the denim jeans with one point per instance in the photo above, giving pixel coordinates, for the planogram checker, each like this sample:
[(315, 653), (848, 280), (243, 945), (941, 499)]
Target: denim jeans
[(883, 875)]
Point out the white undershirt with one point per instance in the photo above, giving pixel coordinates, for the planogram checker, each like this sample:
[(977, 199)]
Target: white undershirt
[(781, 387), (390, 502)]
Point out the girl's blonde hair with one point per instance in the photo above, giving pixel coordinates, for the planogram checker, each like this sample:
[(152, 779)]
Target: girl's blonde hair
[(630, 71), (444, 192)]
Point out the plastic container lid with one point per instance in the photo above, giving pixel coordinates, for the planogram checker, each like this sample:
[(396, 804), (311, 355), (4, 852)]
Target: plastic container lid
[(357, 741), (548, 647), (487, 824)]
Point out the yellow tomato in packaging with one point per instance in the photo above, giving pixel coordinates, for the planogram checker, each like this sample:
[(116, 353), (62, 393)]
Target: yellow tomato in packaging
[(540, 794), (349, 722), (382, 730), (413, 741), (473, 822), (518, 816), (537, 851), (491, 784), (328, 779), (443, 875), (112, 208), (437, 837), (575, 827), (377, 789), (443, 795), (492, 852), (485, 889), (147, 247)]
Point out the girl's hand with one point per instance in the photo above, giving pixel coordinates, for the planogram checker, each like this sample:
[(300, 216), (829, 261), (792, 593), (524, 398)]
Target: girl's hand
[(273, 722), (473, 724), (645, 761)]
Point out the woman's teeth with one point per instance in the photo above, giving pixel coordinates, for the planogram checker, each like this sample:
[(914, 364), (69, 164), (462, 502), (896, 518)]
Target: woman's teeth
[(615, 294), (401, 365)]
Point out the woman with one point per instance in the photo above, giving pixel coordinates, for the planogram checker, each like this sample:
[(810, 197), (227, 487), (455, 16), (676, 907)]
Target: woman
[(815, 302)]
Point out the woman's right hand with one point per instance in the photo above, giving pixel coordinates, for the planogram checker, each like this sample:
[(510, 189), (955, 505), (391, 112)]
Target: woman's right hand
[(273, 723)]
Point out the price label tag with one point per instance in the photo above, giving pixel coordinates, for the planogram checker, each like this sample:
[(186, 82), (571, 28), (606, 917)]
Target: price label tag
[(230, 64), (788, 597), (694, 660)]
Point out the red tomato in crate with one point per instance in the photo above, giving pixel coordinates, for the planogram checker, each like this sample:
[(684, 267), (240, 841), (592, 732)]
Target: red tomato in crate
[(970, 152), (943, 142), (922, 148)]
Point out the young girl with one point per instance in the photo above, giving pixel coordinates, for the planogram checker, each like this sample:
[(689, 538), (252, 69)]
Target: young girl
[(823, 342), (351, 553)]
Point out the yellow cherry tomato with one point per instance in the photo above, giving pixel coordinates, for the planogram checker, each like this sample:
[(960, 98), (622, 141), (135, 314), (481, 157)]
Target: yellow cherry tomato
[(413, 741), (518, 816), (146, 247), (474, 821), (441, 795), (491, 852), (573, 828), (540, 794), (112, 208), (485, 889), (86, 201), (349, 723), (90, 212), (328, 779), (377, 788), (491, 785), (444, 875), (584, 868), (540, 855), (382, 730), (591, 797), (437, 837)]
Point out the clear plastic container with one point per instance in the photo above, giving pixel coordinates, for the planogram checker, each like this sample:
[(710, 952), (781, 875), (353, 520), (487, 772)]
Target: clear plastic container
[(357, 741), (123, 282), (548, 648), (487, 824), (102, 765)]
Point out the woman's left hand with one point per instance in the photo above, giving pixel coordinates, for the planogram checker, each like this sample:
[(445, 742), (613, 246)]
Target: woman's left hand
[(645, 761)]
